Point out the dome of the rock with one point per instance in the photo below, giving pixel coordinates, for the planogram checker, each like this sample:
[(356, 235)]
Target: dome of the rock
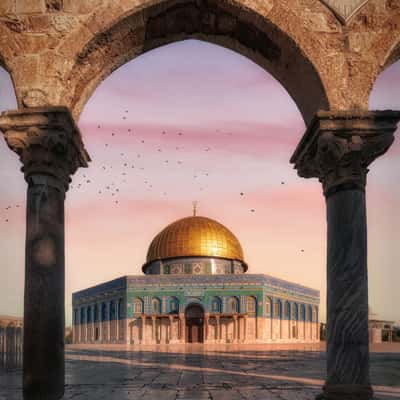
[(195, 239)]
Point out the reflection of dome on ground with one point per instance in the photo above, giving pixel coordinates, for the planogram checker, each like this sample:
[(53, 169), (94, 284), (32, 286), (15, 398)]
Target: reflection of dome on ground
[(200, 241)]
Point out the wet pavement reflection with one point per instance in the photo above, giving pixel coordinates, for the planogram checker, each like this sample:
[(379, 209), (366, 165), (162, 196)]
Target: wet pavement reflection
[(202, 372)]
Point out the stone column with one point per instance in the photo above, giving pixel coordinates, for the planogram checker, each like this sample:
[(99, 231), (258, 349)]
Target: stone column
[(171, 321), (206, 329), (337, 148), (235, 328), (218, 329), (153, 331), (117, 327), (142, 334), (109, 322), (245, 329), (183, 328), (50, 148)]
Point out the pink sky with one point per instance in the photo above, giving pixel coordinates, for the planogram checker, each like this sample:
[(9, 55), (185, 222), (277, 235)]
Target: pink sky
[(238, 129)]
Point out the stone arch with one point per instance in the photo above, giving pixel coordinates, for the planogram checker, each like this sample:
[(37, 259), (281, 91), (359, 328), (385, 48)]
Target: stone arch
[(216, 304), (247, 31), (392, 56), (233, 305), (173, 304), (377, 22), (268, 306), (155, 305), (138, 305), (252, 305)]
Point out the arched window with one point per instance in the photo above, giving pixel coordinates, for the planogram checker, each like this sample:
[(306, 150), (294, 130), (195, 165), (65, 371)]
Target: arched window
[(89, 315), (103, 312), (287, 310), (216, 304), (174, 305), (138, 306), (268, 306), (251, 305), (233, 305), (120, 308), (95, 313), (302, 312), (156, 306)]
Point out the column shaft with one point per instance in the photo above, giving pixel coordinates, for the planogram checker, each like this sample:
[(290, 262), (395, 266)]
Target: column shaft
[(347, 292), (43, 369)]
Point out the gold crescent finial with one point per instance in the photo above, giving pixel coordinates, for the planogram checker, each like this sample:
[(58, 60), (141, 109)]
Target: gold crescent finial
[(195, 203)]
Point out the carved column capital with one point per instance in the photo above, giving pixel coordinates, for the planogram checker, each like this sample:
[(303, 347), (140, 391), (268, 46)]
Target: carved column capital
[(338, 147), (48, 143)]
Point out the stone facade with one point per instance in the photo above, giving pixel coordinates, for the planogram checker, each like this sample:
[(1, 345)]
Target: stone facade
[(59, 51), (234, 309)]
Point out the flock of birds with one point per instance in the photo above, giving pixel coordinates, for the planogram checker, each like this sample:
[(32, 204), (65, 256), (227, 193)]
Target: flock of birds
[(114, 189), (127, 166)]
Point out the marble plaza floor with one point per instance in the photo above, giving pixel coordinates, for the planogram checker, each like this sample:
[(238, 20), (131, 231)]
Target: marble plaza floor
[(194, 372)]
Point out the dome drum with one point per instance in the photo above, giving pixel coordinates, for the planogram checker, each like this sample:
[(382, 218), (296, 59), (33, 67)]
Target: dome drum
[(194, 266)]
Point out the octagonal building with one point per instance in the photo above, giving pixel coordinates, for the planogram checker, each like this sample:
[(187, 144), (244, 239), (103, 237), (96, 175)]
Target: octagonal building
[(195, 289)]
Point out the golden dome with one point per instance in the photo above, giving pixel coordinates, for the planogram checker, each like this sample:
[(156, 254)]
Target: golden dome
[(195, 236)]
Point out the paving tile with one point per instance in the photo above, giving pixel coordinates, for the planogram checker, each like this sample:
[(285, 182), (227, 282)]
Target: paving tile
[(199, 373)]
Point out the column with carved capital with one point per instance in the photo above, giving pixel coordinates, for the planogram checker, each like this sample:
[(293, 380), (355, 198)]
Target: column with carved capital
[(50, 148), (337, 149)]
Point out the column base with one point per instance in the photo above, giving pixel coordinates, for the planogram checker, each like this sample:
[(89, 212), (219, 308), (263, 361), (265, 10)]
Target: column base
[(346, 392)]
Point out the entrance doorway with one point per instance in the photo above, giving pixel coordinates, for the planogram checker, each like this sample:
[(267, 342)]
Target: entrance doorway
[(194, 316)]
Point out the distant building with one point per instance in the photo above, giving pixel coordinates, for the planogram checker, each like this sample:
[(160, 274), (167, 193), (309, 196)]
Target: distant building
[(195, 289), (380, 330), (11, 334)]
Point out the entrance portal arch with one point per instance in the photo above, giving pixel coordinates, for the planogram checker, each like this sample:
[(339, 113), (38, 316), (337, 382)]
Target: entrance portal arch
[(194, 321)]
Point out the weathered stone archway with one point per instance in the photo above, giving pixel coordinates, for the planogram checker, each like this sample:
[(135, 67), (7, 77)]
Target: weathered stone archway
[(221, 22), (57, 53)]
